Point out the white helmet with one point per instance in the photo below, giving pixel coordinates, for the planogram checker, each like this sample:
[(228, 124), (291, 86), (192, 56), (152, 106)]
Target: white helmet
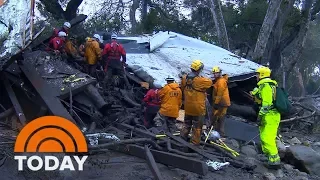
[(97, 36), (114, 36), (169, 78), (67, 24), (62, 34)]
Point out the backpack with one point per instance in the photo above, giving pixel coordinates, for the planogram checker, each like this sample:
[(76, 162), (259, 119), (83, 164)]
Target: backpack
[(281, 101)]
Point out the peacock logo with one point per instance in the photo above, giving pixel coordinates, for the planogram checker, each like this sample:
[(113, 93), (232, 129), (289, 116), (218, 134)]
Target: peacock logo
[(50, 134)]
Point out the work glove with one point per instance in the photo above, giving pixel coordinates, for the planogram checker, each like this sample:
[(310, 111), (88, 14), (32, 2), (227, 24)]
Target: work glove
[(216, 106)]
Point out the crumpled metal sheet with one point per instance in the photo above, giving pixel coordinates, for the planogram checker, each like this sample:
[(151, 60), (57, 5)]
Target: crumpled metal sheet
[(216, 165), (94, 138)]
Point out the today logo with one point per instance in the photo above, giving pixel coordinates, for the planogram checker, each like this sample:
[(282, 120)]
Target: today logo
[(50, 134)]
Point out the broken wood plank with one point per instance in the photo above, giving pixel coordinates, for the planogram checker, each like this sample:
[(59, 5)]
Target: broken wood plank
[(169, 159), (152, 164), (53, 103), (138, 131), (6, 113), (14, 100), (127, 141), (194, 148)]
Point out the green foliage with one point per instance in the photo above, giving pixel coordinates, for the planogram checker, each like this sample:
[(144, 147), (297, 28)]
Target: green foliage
[(105, 23), (310, 58)]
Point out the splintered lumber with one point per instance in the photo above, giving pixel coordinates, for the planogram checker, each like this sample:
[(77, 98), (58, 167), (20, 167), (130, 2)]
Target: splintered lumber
[(6, 113), (234, 163), (138, 131), (127, 141), (14, 100), (95, 96), (194, 148), (166, 158), (53, 103), (152, 164)]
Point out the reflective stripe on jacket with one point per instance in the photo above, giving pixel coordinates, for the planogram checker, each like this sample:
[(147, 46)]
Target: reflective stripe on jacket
[(266, 93)]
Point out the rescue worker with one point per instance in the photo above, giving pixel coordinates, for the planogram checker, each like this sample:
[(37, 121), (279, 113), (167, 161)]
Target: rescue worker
[(112, 54), (82, 47), (221, 99), (152, 103), (268, 116), (171, 100), (57, 44), (65, 28), (72, 53), (194, 89), (92, 54), (70, 48)]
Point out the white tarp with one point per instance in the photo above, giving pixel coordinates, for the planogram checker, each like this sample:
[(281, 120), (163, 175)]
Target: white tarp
[(177, 53)]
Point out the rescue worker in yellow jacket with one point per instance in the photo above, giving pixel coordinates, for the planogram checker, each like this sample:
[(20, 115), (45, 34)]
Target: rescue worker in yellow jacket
[(221, 99), (268, 117), (194, 89), (170, 103), (92, 54)]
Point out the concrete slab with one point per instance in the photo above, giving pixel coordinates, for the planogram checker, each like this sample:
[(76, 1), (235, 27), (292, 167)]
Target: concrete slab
[(305, 158), (241, 131)]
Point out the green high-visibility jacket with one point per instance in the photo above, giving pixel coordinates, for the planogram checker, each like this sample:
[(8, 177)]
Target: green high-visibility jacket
[(266, 92)]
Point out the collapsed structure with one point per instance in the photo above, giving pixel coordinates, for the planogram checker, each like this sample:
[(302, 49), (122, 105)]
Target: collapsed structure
[(111, 118)]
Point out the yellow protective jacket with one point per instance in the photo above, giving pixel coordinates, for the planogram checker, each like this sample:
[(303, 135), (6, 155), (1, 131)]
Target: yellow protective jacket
[(92, 51), (171, 100), (220, 92), (70, 49), (265, 93), (194, 89)]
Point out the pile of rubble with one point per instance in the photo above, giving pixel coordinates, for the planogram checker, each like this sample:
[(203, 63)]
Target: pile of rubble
[(36, 83)]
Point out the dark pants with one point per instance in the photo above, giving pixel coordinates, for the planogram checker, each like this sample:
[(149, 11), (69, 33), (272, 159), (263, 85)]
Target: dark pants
[(165, 123), (91, 69), (197, 123), (149, 114), (115, 67)]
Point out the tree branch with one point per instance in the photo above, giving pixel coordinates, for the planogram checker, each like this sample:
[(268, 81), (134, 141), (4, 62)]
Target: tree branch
[(315, 10), (71, 10), (54, 8)]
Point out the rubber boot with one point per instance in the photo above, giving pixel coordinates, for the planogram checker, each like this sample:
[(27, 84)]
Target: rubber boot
[(196, 136), (185, 132), (273, 162)]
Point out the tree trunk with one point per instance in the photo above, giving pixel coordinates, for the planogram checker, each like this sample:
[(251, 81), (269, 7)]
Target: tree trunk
[(300, 82), (274, 57), (57, 12), (71, 10), (219, 23), (134, 7), (300, 39), (144, 11), (266, 29), (53, 7)]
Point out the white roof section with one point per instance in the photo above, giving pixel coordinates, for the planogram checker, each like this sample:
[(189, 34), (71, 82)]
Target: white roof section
[(172, 53), (13, 13)]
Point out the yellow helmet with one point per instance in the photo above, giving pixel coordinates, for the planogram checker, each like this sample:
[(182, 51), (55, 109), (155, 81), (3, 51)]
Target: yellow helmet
[(196, 65), (263, 72), (87, 38), (216, 69)]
